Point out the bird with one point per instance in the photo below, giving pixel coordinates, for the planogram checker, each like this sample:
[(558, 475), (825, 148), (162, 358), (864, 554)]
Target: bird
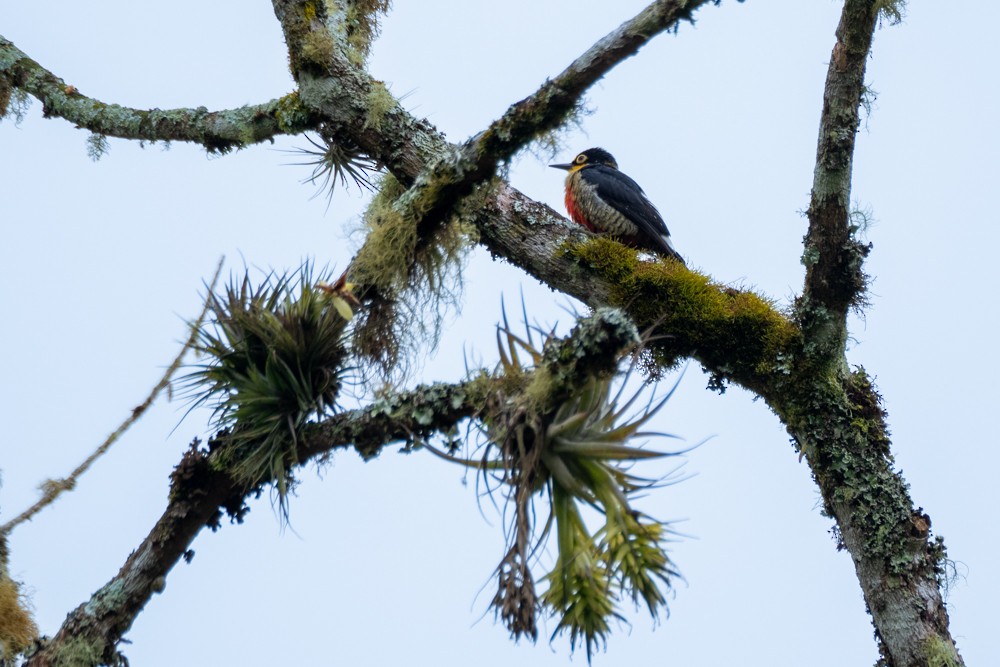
[(606, 201)]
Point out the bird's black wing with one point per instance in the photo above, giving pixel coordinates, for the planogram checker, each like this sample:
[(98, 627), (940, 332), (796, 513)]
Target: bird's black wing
[(625, 196)]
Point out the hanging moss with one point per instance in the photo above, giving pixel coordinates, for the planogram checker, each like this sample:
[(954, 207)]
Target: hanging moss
[(17, 627), (410, 281)]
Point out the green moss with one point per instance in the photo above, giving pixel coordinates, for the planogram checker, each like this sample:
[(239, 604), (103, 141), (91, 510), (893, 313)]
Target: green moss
[(726, 328)]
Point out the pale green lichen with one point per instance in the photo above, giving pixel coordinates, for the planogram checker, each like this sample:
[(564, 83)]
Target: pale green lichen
[(290, 113), (79, 652), (317, 47), (939, 652), (379, 102)]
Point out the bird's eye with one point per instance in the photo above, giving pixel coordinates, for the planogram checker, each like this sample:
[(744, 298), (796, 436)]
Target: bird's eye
[(580, 159)]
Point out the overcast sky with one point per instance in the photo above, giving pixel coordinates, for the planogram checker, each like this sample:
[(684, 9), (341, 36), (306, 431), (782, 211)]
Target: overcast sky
[(390, 562)]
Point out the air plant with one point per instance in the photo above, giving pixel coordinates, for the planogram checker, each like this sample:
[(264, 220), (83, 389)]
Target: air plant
[(576, 454), (336, 162), (274, 359)]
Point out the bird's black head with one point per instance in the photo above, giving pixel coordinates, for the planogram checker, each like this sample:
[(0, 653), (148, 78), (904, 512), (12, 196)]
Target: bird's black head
[(591, 156)]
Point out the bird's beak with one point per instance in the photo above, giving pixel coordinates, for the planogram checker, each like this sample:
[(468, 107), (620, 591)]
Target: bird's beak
[(566, 167)]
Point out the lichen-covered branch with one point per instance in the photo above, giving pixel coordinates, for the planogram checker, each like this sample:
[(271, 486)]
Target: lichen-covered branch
[(835, 415), (836, 419), (217, 131), (795, 361), (203, 485), (550, 106), (419, 157), (200, 491), (832, 256), (736, 334)]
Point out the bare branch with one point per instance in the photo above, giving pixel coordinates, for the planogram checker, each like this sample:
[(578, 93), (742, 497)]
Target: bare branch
[(52, 489), (217, 131)]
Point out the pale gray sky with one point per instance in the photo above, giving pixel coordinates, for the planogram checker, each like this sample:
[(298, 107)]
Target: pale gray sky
[(388, 561)]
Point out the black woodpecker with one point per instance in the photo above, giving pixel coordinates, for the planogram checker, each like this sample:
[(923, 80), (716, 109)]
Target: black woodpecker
[(606, 201)]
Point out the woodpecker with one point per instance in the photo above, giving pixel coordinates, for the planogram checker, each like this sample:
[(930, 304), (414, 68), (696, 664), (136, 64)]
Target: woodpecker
[(606, 201)]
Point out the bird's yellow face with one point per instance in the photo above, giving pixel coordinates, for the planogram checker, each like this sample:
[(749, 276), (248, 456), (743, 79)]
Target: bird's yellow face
[(579, 162), (589, 157)]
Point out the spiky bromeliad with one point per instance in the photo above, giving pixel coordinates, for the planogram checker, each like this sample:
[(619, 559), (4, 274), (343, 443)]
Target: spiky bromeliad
[(606, 201)]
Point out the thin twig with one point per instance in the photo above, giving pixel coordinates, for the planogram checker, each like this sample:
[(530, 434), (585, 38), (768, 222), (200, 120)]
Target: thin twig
[(53, 488)]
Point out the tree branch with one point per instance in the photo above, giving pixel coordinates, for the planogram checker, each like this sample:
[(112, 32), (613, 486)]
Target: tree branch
[(52, 489), (832, 256), (200, 491), (217, 131), (201, 488), (550, 106), (440, 174), (836, 416)]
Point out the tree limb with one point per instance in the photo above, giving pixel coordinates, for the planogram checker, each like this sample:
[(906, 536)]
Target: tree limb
[(201, 489), (217, 131), (52, 489), (832, 256), (796, 364), (549, 107), (416, 153), (836, 416)]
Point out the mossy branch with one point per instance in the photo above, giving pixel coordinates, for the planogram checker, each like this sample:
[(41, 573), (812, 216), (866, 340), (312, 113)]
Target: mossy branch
[(218, 131), (832, 255), (836, 416), (204, 485), (201, 491)]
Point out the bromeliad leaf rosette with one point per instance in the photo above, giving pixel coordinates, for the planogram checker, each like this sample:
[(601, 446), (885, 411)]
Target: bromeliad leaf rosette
[(275, 356), (573, 453)]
